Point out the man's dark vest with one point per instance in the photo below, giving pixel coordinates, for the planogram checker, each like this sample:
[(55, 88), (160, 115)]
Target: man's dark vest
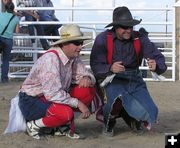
[(136, 43)]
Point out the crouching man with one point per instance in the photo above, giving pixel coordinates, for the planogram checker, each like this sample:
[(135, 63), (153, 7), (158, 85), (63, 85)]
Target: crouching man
[(57, 85), (117, 54)]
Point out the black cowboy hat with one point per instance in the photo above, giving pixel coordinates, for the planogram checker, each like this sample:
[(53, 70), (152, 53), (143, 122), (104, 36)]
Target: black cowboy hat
[(123, 17)]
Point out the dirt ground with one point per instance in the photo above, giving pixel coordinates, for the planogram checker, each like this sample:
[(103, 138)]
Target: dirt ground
[(165, 94)]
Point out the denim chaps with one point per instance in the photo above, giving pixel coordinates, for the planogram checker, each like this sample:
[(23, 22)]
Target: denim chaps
[(130, 87)]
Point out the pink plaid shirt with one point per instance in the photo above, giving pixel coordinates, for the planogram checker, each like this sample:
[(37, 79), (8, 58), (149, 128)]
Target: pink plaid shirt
[(52, 77)]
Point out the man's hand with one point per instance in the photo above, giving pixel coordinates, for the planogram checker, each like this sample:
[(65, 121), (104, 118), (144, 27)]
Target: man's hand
[(35, 15), (151, 64), (117, 67), (85, 82), (84, 110)]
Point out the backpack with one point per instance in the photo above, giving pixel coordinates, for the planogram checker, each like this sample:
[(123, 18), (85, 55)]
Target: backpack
[(136, 43)]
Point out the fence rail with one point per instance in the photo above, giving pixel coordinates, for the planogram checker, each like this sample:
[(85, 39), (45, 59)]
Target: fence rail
[(29, 52)]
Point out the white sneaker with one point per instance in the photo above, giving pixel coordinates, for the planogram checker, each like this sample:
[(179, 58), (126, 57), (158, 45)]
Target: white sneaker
[(33, 129), (65, 131)]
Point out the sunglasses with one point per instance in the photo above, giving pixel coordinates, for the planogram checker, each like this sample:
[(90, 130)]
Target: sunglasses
[(77, 43), (126, 27)]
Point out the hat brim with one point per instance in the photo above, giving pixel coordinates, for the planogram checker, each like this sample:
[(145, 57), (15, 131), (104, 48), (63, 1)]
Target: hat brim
[(130, 23), (71, 39)]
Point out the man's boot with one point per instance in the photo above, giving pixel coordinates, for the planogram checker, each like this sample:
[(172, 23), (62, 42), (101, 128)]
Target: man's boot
[(135, 126), (111, 121)]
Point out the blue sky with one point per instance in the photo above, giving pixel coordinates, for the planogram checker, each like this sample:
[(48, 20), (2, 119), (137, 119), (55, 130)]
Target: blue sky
[(107, 15), (108, 3)]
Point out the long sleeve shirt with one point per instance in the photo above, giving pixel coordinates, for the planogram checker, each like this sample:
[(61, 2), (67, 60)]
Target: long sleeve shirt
[(46, 13), (123, 51), (52, 76), (25, 3)]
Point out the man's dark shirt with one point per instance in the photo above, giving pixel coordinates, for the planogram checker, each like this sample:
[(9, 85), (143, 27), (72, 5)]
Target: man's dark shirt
[(123, 51)]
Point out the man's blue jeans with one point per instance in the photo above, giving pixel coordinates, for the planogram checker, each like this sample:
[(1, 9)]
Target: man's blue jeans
[(32, 108), (136, 100), (6, 55), (39, 29), (51, 29)]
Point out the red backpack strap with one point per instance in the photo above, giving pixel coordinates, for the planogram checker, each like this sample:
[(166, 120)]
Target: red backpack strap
[(109, 47), (137, 46), (54, 51)]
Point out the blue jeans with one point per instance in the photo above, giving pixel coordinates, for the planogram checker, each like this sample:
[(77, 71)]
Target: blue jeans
[(39, 29), (6, 55), (136, 100), (50, 29), (32, 108)]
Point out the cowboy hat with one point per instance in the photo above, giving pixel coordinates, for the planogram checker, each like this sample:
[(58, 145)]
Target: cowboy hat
[(70, 32), (123, 17)]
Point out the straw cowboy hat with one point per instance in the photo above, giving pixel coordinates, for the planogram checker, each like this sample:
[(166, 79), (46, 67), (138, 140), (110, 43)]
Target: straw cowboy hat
[(70, 32), (123, 17)]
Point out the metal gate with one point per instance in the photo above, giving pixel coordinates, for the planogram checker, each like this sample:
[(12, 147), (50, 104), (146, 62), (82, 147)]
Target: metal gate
[(164, 40)]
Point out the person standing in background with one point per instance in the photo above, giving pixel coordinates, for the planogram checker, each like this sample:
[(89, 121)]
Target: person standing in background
[(48, 15), (31, 15), (6, 37)]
